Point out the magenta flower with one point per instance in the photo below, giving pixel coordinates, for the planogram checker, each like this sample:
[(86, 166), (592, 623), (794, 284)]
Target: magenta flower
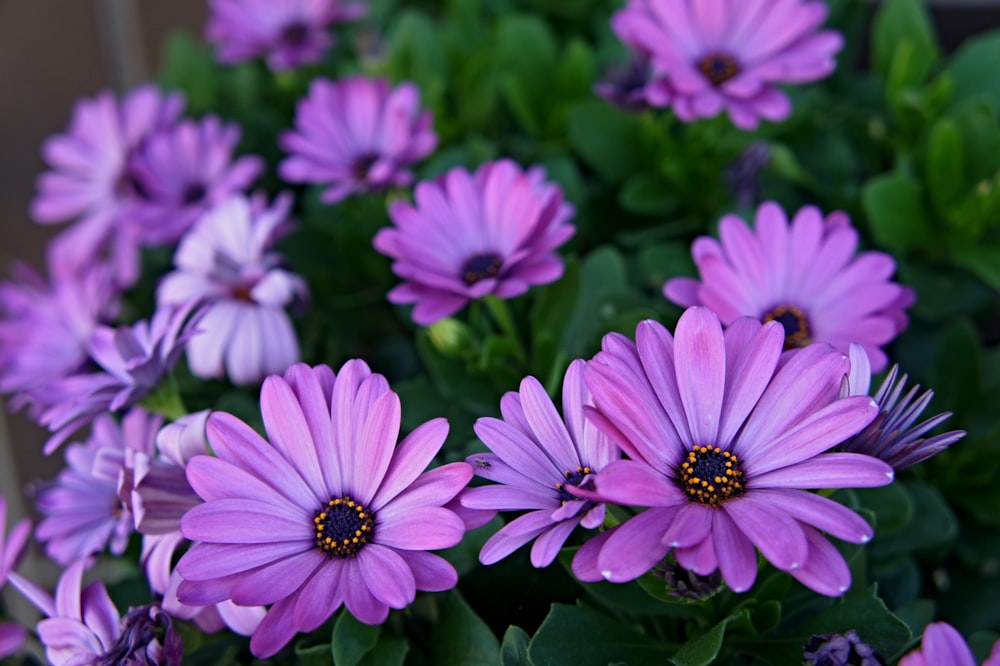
[(469, 235), (804, 275), (181, 172), (330, 512), (12, 635), (225, 261), (536, 457), (90, 179), (82, 509), (722, 440), (942, 644), (288, 33), (710, 56), (357, 135)]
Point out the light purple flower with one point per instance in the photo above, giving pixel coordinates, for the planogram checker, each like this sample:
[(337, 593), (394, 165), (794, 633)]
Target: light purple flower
[(288, 33), (710, 56), (134, 359), (469, 235), (942, 644), (535, 457), (804, 275), (45, 326), (722, 440), (83, 626), (357, 135), (225, 261), (330, 512), (12, 635), (90, 180), (82, 509)]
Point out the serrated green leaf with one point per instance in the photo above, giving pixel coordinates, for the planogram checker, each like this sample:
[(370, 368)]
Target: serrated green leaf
[(352, 640)]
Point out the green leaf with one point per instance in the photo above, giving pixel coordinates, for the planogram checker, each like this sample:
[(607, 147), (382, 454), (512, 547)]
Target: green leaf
[(514, 651), (702, 650), (956, 374), (972, 70), (647, 194), (897, 22), (861, 609), (607, 139), (313, 655), (945, 168), (188, 65), (933, 524), (461, 638), (894, 204), (602, 280), (892, 505), (605, 641), (389, 651), (575, 73), (415, 51), (352, 640)]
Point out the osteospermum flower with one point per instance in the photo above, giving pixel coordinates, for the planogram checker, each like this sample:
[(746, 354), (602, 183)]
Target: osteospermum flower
[(804, 275), (12, 544), (357, 135), (470, 235), (536, 456), (942, 644), (710, 56), (287, 33), (722, 444), (82, 511), (90, 179), (329, 512), (226, 262), (845, 649)]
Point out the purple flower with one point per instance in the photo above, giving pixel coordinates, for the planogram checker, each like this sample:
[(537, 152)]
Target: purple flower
[(625, 86), (537, 457), (804, 275), (722, 438), (134, 360), (84, 626), (288, 33), (469, 235), (357, 135), (12, 635), (45, 327), (90, 179), (710, 56), (840, 650), (181, 172), (330, 512), (942, 644), (225, 261), (82, 509)]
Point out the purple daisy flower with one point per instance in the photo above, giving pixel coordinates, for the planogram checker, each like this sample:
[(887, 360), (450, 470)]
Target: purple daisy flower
[(722, 440), (12, 635), (357, 135), (625, 86), (804, 275), (134, 360), (83, 626), (82, 509), (225, 261), (942, 644), (536, 456), (45, 327), (90, 179), (288, 33), (469, 235), (181, 172), (710, 56), (330, 512)]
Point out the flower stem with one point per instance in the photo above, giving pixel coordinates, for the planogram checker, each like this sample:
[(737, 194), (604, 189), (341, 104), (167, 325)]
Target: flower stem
[(505, 320), (166, 400)]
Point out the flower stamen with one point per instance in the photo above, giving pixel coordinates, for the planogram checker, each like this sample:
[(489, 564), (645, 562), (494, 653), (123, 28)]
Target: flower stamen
[(718, 68), (572, 479), (710, 475), (343, 527), (480, 267), (798, 333)]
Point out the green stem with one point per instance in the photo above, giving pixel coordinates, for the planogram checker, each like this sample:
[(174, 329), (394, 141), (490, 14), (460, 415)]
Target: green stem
[(505, 320), (166, 400)]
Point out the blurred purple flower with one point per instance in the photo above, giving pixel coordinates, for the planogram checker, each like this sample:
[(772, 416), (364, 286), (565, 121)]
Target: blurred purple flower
[(625, 86), (82, 509), (536, 456), (942, 644), (330, 512), (710, 56), (288, 33), (12, 635), (845, 649), (357, 135), (90, 179), (469, 235), (225, 261), (804, 275), (721, 438), (743, 175), (134, 360)]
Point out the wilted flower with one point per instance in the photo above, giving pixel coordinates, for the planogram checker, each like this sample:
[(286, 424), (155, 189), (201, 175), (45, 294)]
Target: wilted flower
[(804, 275), (721, 440), (536, 456), (288, 33), (329, 512), (728, 55), (942, 644), (12, 635), (470, 235), (225, 262), (840, 650), (357, 135)]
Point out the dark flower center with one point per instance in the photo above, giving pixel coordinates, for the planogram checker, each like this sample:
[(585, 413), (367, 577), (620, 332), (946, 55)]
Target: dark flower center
[(295, 34), (343, 527), (241, 292), (710, 475), (193, 193), (795, 323), (130, 185), (572, 479), (718, 68), (362, 165), (481, 266)]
